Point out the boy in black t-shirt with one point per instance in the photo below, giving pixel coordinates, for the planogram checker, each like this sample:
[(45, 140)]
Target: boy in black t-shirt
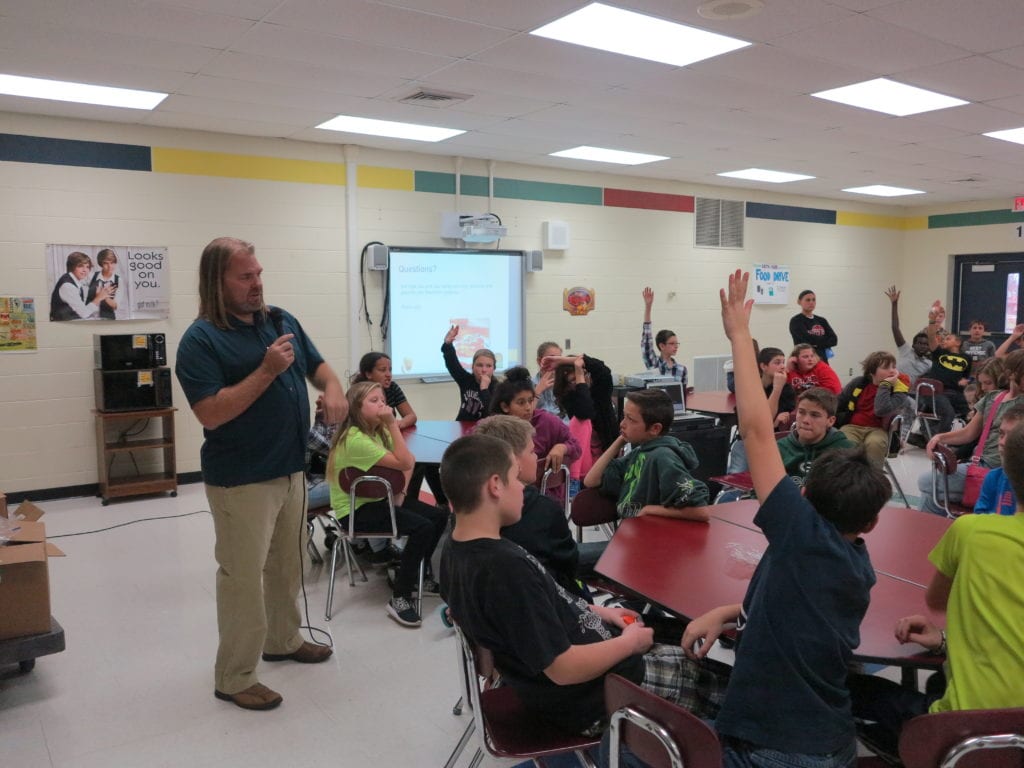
[(550, 646), (801, 615), (949, 366)]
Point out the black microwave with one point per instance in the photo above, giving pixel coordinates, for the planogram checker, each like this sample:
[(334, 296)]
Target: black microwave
[(132, 390), (129, 351)]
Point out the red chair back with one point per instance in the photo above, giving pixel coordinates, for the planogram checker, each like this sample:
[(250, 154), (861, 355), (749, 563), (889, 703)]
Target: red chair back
[(591, 508), (989, 738), (696, 742), (947, 463), (396, 478)]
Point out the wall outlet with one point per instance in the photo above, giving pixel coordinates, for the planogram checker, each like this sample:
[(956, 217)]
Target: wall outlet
[(568, 344), (850, 373)]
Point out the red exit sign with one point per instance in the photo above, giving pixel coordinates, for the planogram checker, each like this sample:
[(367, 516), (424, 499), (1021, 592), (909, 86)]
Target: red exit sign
[(1018, 204)]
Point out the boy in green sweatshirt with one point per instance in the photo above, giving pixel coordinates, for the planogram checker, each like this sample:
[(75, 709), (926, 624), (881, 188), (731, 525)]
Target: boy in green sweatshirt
[(654, 477)]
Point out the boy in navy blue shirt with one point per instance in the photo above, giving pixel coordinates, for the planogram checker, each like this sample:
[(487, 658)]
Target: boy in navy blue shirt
[(787, 703)]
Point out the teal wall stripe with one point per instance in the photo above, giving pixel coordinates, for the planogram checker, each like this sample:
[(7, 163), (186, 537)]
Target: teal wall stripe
[(974, 219), (88, 154), (548, 192), (431, 181), (476, 186)]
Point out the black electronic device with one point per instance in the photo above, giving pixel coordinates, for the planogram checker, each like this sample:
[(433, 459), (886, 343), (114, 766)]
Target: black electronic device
[(139, 390), (129, 351)]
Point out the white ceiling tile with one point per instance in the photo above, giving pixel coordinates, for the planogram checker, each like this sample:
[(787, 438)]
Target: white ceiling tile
[(475, 77), (492, 104), (248, 66), (976, 25), (971, 118), (232, 90), (82, 70), (327, 50), (242, 111), (861, 5), (536, 54), (220, 124), (242, 9), (1013, 56), (975, 78), (775, 67), (1013, 104), (521, 15), (387, 25), (32, 37), (778, 17), (864, 42), (129, 17), (74, 111)]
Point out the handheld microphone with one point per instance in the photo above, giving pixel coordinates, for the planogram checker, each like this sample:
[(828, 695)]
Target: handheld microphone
[(277, 318)]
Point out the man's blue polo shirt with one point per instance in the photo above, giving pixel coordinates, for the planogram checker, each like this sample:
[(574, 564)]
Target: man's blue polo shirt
[(268, 439)]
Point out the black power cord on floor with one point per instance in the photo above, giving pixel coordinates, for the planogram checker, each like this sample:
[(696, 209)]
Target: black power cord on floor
[(302, 576), (130, 522)]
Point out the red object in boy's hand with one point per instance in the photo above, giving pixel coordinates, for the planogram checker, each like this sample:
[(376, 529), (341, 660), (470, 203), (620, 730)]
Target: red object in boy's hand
[(627, 619)]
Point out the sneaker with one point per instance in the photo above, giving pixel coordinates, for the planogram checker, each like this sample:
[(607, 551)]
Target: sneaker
[(401, 610), (430, 586), (383, 558)]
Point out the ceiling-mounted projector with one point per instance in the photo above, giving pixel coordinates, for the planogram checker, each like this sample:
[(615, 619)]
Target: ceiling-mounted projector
[(485, 228)]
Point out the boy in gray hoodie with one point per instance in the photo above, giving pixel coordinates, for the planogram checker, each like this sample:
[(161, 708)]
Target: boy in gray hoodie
[(654, 477)]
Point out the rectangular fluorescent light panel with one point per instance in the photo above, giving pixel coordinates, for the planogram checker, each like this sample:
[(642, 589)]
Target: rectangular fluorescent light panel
[(388, 128), (881, 190), (634, 34), (81, 93), (760, 174), (600, 155), (1016, 135), (890, 97)]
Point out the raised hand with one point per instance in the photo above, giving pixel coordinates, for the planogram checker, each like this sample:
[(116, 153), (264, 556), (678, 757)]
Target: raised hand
[(735, 304), (452, 334), (648, 298), (892, 293)]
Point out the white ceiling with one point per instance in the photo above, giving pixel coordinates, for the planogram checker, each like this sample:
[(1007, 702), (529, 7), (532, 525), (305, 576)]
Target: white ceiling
[(280, 67)]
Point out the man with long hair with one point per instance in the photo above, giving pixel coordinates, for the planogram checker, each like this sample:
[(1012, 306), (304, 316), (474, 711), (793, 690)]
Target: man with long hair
[(243, 367)]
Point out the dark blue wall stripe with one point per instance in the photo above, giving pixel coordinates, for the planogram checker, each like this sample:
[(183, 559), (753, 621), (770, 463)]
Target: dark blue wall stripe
[(790, 213), (90, 154)]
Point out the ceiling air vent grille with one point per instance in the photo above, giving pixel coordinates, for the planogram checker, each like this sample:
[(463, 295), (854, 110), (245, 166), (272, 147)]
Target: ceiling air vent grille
[(718, 223), (435, 99)]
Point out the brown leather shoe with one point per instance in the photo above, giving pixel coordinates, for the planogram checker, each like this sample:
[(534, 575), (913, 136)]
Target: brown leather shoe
[(256, 696), (307, 653)]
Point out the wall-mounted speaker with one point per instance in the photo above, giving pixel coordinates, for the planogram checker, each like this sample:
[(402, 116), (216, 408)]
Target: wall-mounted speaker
[(534, 261), (556, 236), (378, 254)]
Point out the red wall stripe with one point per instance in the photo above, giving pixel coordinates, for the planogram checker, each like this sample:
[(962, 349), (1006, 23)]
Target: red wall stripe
[(652, 201)]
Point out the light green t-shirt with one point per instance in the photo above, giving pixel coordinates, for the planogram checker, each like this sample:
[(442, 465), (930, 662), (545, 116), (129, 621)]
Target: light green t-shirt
[(357, 450), (984, 556)]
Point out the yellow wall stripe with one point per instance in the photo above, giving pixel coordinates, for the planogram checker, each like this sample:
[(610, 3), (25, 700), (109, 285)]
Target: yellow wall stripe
[(879, 221), (166, 160), (386, 178)]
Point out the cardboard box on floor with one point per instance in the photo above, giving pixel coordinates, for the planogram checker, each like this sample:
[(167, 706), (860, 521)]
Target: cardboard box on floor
[(24, 572)]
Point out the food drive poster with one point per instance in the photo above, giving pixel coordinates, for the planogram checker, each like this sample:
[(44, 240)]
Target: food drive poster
[(771, 284), (137, 276)]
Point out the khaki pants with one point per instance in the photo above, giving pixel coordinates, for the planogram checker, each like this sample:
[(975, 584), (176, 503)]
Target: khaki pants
[(261, 535), (874, 440)]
